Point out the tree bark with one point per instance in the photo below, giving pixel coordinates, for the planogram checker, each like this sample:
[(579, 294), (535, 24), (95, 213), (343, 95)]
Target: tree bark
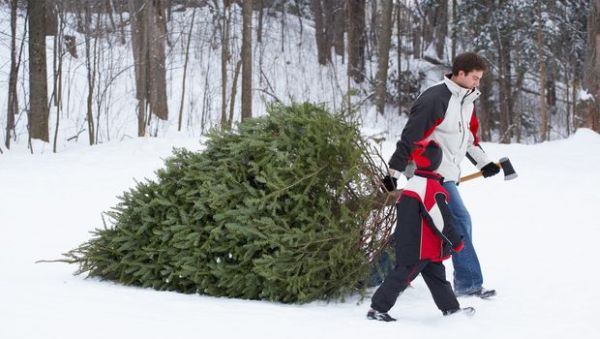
[(148, 44), (259, 27), (247, 60), (486, 108), (91, 73), (441, 28), (13, 102), (38, 83), (225, 56), (384, 54), (591, 76), (339, 26), (505, 81), (185, 64), (356, 39), (542, 72), (323, 56)]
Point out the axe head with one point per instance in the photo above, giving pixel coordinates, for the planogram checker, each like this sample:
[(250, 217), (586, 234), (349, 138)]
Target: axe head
[(507, 169)]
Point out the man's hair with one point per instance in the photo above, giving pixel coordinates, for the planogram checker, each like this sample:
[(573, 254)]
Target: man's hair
[(468, 62)]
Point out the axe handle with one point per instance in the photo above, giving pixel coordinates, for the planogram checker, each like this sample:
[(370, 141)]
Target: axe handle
[(473, 175)]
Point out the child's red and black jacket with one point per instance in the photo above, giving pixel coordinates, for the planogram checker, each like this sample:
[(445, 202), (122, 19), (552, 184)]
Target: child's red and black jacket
[(425, 229)]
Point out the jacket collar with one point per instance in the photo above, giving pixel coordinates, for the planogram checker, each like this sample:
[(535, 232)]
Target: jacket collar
[(468, 95)]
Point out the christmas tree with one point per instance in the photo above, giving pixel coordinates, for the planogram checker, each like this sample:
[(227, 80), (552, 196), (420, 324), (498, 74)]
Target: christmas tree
[(286, 208)]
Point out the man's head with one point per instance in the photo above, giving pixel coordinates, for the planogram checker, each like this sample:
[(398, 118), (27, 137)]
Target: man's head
[(467, 69), (427, 155)]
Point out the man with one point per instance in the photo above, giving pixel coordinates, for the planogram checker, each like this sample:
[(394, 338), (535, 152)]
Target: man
[(445, 113)]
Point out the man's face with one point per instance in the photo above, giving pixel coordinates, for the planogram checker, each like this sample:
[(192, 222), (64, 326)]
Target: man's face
[(468, 80)]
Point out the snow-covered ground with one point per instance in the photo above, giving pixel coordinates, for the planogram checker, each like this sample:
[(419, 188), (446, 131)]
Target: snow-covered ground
[(537, 238)]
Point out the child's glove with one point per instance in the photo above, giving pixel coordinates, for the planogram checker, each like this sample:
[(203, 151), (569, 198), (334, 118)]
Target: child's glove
[(490, 169)]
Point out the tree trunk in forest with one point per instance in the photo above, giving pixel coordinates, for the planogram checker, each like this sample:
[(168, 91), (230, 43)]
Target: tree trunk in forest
[(247, 60), (505, 82), (38, 85), (13, 100), (259, 25), (356, 39), (91, 72), (323, 51), (185, 65), (440, 28), (591, 73), (384, 53), (542, 72), (225, 56), (158, 74), (339, 25), (454, 29), (486, 107), (148, 24)]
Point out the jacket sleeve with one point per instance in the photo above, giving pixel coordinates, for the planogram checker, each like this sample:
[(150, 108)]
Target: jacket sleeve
[(449, 231), (426, 113), (475, 153)]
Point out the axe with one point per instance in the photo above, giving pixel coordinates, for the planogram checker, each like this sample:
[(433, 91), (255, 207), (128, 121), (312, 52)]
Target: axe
[(505, 165)]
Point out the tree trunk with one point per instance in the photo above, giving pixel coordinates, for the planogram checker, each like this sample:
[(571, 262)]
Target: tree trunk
[(505, 92), (542, 72), (384, 53), (592, 67), (225, 56), (374, 28), (259, 27), (486, 108), (454, 28), (339, 27), (441, 28), (137, 17), (157, 37), (185, 64), (356, 39), (91, 73), (320, 34), (38, 86), (247, 60), (13, 102), (148, 43)]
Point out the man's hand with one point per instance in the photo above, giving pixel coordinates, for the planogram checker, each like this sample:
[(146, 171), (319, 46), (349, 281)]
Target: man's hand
[(490, 169), (390, 183)]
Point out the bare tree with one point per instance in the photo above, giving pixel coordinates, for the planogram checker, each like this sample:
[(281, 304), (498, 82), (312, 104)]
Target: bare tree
[(247, 60), (91, 62), (225, 24), (38, 85), (356, 39), (384, 55), (591, 109), (542, 70), (148, 42), (13, 102), (323, 51), (185, 64)]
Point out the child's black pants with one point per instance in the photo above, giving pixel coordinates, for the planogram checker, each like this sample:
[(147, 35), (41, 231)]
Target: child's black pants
[(434, 274)]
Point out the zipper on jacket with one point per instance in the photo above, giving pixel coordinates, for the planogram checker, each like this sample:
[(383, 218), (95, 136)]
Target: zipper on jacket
[(462, 120)]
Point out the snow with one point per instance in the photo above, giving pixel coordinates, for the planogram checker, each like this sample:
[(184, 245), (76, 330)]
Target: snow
[(536, 236)]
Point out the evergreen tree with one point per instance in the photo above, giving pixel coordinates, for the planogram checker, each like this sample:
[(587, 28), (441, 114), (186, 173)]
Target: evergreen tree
[(273, 211)]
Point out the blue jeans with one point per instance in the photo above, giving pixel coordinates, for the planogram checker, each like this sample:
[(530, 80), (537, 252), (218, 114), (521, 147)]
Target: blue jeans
[(467, 271)]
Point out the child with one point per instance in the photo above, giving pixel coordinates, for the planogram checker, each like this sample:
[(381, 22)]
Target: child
[(424, 237)]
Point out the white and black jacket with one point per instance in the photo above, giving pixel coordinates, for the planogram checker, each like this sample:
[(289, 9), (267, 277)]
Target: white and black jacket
[(445, 113)]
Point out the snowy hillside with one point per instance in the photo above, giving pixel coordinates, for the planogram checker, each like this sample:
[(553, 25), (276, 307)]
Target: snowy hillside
[(536, 236)]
